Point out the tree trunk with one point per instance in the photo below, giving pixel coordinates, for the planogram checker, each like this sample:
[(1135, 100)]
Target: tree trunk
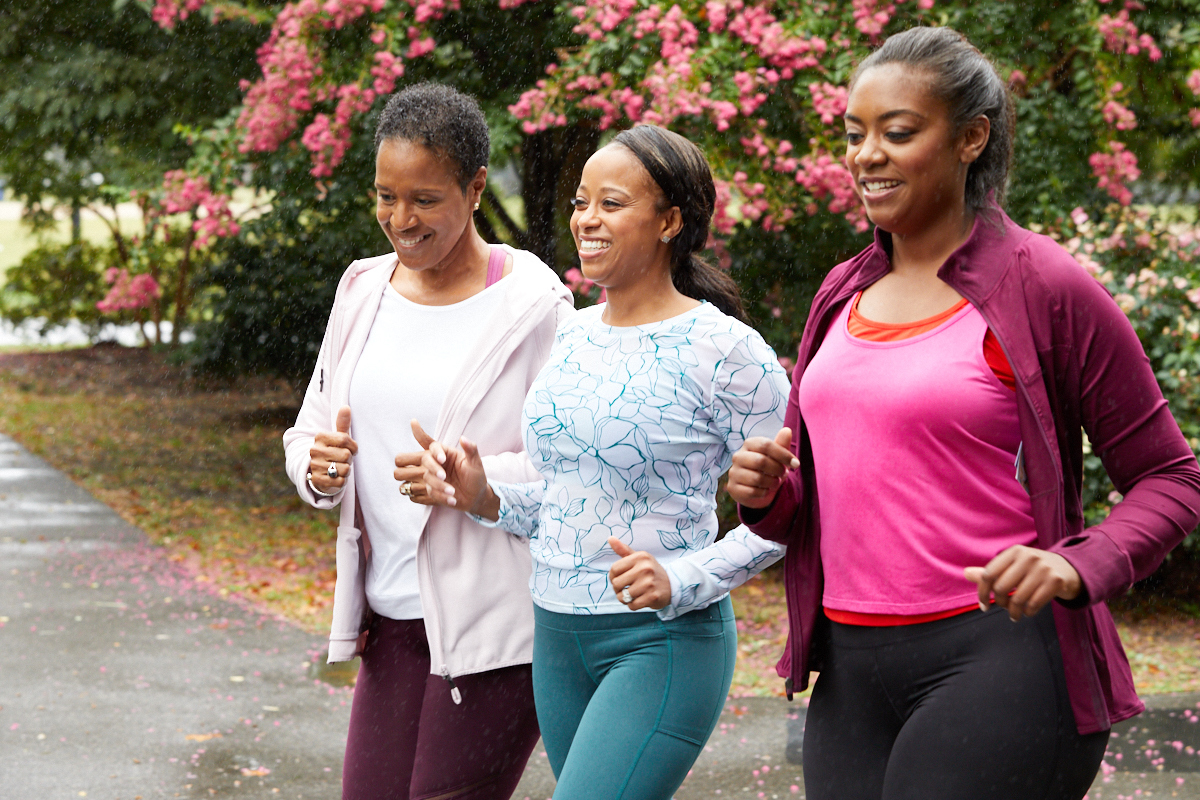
[(182, 293), (552, 161)]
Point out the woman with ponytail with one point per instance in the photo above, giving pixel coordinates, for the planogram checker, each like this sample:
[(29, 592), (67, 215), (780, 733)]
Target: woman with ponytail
[(939, 573), (632, 422)]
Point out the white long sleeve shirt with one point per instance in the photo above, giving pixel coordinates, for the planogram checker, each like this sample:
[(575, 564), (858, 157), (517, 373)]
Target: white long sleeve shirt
[(632, 427)]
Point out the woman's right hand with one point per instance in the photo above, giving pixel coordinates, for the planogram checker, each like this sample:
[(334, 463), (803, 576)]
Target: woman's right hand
[(759, 468), (454, 476), (334, 448)]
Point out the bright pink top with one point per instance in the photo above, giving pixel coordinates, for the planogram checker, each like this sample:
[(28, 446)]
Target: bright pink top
[(913, 443)]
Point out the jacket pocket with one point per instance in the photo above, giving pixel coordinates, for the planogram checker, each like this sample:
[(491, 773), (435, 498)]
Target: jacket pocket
[(349, 593)]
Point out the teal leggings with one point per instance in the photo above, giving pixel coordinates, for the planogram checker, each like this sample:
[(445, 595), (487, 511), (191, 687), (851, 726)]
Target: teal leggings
[(626, 701)]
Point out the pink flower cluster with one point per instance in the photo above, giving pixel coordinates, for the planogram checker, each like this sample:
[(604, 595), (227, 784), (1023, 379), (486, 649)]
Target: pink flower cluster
[(128, 293), (1193, 82), (289, 88), (723, 221), (758, 28), (754, 204), (536, 107), (426, 10), (329, 139), (828, 100), (870, 16), (1114, 170), (598, 17), (1122, 36), (166, 13), (272, 107), (340, 13), (576, 282), (594, 88), (1119, 116), (386, 70), (827, 177), (184, 194)]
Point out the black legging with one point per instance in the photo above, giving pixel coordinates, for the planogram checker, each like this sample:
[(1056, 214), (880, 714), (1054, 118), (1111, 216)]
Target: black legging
[(972, 706)]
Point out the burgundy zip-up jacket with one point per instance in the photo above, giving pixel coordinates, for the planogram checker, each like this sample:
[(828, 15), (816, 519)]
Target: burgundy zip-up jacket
[(1078, 365)]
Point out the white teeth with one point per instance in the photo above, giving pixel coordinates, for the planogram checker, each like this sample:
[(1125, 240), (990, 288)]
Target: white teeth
[(409, 242), (594, 245), (880, 186)]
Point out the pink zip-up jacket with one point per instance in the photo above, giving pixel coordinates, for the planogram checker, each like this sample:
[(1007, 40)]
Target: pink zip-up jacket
[(1079, 366), (474, 583)]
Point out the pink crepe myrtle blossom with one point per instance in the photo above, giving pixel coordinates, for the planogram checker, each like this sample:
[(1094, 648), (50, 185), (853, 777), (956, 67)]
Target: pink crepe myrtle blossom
[(419, 47), (1121, 35), (215, 220), (535, 108), (387, 69), (826, 178), (185, 194), (425, 10), (273, 105), (1119, 116), (128, 293), (870, 16), (1193, 81), (576, 282), (1113, 170), (166, 13), (829, 101)]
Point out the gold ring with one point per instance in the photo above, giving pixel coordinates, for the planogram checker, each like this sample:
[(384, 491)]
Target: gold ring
[(406, 488)]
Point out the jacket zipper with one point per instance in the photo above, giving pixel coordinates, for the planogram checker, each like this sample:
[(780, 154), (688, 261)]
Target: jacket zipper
[(455, 694), (451, 411)]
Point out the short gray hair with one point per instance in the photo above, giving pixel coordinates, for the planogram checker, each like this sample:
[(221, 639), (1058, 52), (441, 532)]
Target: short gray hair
[(967, 82)]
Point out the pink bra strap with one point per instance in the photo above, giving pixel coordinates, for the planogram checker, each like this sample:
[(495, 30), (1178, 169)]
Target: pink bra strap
[(496, 265)]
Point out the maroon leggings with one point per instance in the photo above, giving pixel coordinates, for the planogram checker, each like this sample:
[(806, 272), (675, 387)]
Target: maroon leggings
[(409, 739)]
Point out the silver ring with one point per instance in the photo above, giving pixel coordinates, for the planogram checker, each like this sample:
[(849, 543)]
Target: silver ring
[(332, 472), (626, 597), (406, 488)]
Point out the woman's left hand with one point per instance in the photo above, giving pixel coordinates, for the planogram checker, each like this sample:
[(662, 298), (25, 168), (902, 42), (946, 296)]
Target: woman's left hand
[(1024, 579), (411, 475), (641, 575)]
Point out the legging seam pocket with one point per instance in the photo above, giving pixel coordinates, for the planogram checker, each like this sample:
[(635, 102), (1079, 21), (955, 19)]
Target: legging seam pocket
[(662, 706)]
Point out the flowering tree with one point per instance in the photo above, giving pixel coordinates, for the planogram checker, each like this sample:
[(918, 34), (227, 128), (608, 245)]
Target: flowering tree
[(1107, 94), (759, 84)]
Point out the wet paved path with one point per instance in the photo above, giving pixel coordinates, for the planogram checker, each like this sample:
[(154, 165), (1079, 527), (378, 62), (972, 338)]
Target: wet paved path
[(123, 678)]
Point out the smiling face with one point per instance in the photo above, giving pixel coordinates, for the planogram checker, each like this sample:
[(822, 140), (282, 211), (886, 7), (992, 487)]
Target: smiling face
[(618, 222), (908, 163), (419, 204)]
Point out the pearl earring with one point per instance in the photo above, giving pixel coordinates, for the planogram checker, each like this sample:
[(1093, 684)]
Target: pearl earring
[(476, 206)]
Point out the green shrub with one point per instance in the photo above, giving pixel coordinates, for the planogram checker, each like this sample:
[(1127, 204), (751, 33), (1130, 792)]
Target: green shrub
[(56, 283)]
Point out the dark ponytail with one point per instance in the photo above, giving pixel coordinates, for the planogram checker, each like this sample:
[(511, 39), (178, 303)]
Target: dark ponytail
[(683, 175)]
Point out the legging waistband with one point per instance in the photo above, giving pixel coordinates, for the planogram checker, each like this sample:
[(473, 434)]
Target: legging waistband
[(579, 623)]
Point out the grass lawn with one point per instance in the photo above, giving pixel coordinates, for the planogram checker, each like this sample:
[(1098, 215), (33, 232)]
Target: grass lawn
[(199, 468), (16, 239)]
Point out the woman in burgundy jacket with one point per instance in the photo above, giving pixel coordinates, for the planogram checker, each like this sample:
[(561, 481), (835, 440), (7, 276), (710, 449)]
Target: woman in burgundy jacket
[(928, 480)]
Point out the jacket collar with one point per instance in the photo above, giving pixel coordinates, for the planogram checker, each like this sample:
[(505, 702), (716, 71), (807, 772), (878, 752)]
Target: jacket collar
[(974, 269)]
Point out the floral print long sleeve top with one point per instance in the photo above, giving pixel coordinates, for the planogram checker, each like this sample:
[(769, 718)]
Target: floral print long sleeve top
[(632, 427)]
